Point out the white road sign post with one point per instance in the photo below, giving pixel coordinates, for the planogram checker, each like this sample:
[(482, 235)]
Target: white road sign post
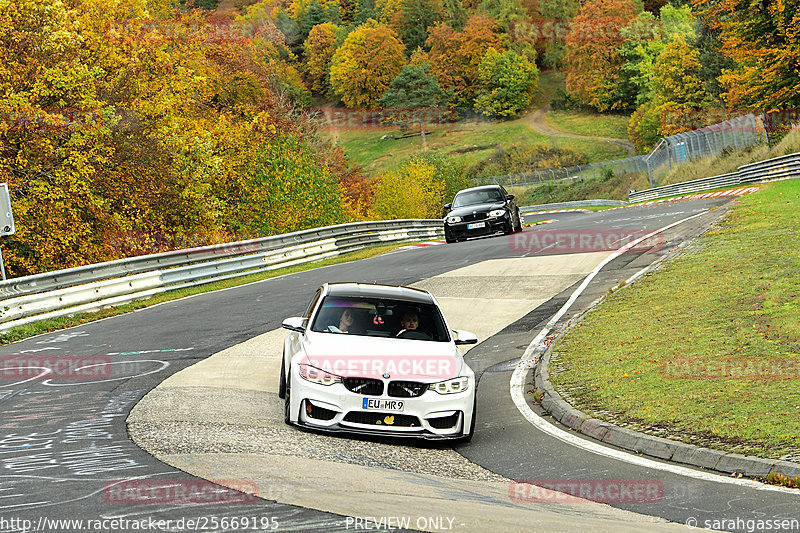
[(6, 220)]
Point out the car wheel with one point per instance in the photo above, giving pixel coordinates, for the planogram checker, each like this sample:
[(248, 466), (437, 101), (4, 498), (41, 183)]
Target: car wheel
[(282, 382), (519, 221), (448, 239), (287, 404), (509, 229)]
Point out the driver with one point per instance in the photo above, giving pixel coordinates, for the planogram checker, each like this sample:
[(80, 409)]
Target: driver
[(409, 322)]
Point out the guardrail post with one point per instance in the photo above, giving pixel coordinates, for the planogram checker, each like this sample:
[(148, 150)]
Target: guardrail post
[(2, 265)]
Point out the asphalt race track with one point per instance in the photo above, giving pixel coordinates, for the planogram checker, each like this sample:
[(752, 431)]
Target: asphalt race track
[(66, 454)]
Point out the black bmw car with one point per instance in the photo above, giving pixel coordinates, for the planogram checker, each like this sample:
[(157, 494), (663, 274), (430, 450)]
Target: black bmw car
[(481, 211)]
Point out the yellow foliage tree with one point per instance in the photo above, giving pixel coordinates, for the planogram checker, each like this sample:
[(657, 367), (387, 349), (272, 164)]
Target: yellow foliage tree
[(411, 192), (363, 68)]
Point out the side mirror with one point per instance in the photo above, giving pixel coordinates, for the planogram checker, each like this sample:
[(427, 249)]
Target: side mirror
[(295, 323), (448, 206), (510, 197), (464, 337)]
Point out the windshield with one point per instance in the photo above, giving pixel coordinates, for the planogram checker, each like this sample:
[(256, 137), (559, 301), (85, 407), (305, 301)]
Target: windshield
[(485, 196), (377, 317)]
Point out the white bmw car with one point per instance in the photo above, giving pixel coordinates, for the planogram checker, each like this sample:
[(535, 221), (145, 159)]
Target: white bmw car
[(377, 360)]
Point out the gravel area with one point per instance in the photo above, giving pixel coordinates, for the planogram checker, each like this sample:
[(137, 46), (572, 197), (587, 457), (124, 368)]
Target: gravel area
[(167, 422)]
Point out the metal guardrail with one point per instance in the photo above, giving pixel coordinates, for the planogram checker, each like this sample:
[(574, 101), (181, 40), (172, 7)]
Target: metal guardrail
[(133, 265), (92, 287), (569, 205), (783, 167)]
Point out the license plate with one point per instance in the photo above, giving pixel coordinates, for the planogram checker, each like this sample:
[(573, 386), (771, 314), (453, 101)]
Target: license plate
[(476, 225), (375, 404)]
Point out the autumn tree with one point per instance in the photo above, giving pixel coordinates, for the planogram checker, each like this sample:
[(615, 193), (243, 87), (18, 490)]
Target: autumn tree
[(593, 61), (319, 48), (363, 68), (506, 83), (678, 95), (676, 75), (455, 56), (763, 39), (413, 191), (415, 90), (135, 123)]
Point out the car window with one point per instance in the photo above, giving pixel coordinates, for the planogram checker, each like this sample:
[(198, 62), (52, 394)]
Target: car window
[(378, 317), (477, 197)]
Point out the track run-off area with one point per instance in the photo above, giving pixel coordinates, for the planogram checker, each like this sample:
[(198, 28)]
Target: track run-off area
[(191, 399)]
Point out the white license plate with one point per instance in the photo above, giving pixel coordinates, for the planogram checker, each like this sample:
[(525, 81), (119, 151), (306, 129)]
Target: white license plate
[(376, 404), (476, 225)]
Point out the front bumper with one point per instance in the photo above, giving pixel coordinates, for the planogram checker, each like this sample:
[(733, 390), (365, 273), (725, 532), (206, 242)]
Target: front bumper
[(461, 230), (333, 408)]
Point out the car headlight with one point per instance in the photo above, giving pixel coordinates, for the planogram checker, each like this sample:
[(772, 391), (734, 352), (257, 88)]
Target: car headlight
[(453, 220), (315, 375), (497, 213), (451, 386)]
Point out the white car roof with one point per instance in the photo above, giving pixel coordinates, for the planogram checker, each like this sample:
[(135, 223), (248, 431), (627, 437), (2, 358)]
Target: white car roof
[(371, 290)]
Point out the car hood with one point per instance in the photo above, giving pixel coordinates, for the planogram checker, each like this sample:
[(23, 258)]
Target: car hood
[(360, 356), (475, 208)]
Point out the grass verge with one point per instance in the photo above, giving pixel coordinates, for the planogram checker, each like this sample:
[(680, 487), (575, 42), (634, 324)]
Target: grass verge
[(706, 350), (54, 324)]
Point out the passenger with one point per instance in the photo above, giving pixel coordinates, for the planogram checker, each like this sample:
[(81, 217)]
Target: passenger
[(345, 322)]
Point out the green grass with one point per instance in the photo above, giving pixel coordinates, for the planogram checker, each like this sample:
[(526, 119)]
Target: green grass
[(55, 324), (737, 297), (480, 137), (467, 142), (590, 124), (595, 151)]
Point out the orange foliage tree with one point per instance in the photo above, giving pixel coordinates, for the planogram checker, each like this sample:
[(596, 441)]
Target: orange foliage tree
[(593, 62), (455, 56), (763, 38)]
